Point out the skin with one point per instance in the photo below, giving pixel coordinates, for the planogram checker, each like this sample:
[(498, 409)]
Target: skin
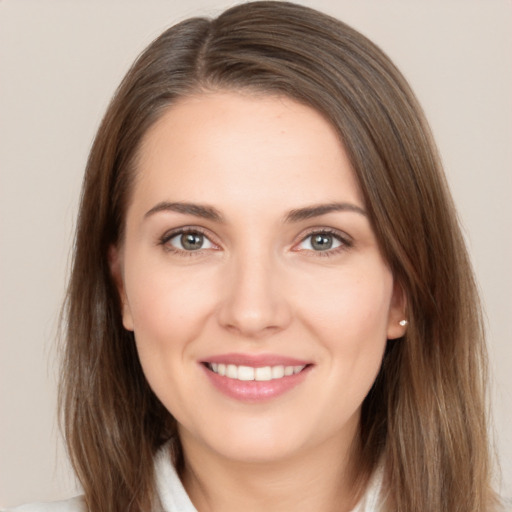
[(256, 286)]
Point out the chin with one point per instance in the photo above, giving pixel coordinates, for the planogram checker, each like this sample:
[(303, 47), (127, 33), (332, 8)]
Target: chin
[(258, 449), (251, 440)]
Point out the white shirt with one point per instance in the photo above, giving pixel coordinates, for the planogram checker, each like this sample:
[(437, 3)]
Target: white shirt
[(174, 498)]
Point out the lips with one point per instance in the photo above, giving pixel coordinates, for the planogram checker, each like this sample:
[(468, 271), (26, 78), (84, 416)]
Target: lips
[(253, 378), (256, 360)]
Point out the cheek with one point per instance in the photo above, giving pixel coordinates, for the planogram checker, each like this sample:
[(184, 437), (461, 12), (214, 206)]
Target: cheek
[(169, 311), (352, 305), (168, 308), (350, 318)]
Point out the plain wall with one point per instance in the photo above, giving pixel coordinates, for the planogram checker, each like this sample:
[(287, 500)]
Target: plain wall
[(60, 62)]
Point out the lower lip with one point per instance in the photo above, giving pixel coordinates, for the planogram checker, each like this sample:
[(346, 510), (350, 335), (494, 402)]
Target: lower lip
[(253, 390)]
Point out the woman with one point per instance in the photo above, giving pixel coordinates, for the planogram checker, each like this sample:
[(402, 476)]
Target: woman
[(271, 305)]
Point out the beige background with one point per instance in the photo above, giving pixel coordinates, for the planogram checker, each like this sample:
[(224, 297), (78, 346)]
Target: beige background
[(59, 64)]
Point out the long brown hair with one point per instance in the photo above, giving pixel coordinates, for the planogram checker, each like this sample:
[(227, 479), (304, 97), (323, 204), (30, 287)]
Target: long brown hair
[(425, 414)]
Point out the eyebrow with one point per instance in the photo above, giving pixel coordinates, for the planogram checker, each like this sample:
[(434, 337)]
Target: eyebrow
[(211, 213), (322, 209), (198, 210)]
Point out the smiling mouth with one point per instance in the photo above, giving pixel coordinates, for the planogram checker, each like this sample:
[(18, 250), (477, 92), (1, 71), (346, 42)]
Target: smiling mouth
[(249, 373)]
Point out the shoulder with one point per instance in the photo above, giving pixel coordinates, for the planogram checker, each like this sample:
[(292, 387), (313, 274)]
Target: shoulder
[(73, 505)]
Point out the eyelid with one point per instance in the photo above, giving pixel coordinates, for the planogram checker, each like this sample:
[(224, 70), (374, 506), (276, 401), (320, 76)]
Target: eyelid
[(182, 230), (346, 241), (344, 238)]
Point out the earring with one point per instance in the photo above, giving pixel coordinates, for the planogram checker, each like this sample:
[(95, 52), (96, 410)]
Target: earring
[(403, 323)]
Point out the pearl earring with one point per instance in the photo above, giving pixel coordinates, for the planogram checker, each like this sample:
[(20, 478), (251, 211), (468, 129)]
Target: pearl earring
[(403, 323)]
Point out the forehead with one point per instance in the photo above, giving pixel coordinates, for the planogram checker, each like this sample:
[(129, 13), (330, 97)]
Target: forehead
[(254, 147)]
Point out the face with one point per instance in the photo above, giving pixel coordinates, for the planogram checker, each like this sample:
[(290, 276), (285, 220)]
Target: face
[(252, 278)]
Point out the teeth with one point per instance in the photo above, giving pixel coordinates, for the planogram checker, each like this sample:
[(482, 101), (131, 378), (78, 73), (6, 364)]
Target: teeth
[(262, 373), (232, 371), (277, 372), (245, 373)]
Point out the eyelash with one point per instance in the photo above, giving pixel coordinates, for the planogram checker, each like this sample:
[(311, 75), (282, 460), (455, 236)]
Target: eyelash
[(168, 236), (344, 240)]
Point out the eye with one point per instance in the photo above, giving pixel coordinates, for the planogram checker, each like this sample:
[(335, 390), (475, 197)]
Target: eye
[(188, 241), (322, 241)]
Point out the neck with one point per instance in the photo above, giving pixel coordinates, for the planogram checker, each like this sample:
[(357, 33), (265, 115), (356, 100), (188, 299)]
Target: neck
[(321, 479)]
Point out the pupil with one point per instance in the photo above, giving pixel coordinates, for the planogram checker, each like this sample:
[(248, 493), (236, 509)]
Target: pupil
[(322, 242), (192, 241)]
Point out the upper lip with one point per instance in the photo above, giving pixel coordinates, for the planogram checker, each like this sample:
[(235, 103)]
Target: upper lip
[(255, 360)]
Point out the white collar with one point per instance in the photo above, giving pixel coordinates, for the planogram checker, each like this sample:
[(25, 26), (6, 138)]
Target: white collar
[(171, 492)]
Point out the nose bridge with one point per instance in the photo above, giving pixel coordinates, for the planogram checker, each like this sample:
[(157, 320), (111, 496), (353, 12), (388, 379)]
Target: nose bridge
[(254, 301)]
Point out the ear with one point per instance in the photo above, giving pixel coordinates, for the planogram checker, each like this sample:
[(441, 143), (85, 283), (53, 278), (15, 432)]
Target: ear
[(397, 313), (115, 261)]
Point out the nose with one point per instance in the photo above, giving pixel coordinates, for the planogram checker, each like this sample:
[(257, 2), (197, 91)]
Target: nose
[(254, 301)]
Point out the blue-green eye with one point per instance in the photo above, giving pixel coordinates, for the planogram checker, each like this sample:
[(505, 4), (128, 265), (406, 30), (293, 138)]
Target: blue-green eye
[(321, 241), (189, 241)]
